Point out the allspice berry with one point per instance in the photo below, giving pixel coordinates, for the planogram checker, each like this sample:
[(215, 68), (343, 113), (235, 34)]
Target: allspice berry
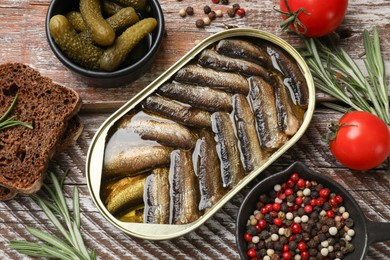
[(199, 23), (190, 10), (231, 12)]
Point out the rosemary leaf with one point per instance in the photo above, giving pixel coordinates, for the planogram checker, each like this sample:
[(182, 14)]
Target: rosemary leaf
[(338, 75), (10, 122), (52, 240), (53, 219), (55, 207), (37, 250)]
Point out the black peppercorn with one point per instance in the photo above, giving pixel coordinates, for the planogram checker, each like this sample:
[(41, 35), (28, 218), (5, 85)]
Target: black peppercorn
[(298, 237), (312, 243), (284, 207), (313, 252), (339, 254), (278, 246), (269, 218), (319, 187), (326, 206), (262, 253), (261, 244), (207, 9), (290, 198), (252, 230), (301, 212), (273, 229), (269, 245), (264, 235), (283, 240), (225, 2), (325, 229), (348, 222), (292, 245), (236, 7), (263, 198), (321, 237)]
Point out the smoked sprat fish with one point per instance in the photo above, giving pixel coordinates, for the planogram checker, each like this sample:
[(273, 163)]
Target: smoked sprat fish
[(207, 168), (252, 153), (212, 59), (232, 170), (164, 132), (177, 112), (227, 81), (157, 197), (262, 100), (125, 193), (198, 96), (242, 49), (135, 160), (294, 78), (184, 189)]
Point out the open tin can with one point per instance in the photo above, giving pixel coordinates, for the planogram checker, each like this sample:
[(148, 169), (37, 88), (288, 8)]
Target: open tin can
[(99, 151)]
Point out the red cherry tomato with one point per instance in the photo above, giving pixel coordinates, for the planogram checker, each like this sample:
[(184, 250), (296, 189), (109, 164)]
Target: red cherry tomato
[(362, 141), (317, 18)]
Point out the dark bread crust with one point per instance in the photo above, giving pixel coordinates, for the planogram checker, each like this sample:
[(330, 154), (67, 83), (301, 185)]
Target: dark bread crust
[(25, 153), (6, 194)]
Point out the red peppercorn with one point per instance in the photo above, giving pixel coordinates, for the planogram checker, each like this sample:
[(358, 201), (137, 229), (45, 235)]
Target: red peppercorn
[(298, 200), (268, 207), (294, 177), (240, 12), (286, 255), (296, 228), (248, 237), (276, 206), (259, 229), (283, 185), (324, 193), (308, 184), (251, 253), (339, 199), (320, 201), (301, 183), (278, 221), (302, 246), (313, 202), (308, 209), (295, 207), (262, 223), (264, 210), (290, 183), (288, 192), (330, 213), (291, 238), (286, 248), (215, 1), (305, 255), (333, 202)]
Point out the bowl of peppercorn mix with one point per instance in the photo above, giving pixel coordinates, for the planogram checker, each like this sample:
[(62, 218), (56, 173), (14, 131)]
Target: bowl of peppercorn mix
[(301, 214)]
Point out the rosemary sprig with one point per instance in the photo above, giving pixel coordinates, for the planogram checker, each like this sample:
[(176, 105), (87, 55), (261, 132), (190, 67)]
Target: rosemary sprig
[(11, 121), (73, 247), (337, 74)]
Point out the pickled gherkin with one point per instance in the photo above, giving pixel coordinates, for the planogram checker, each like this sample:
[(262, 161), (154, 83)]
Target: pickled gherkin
[(119, 22), (101, 31), (110, 8), (76, 49), (115, 55), (139, 5), (76, 20)]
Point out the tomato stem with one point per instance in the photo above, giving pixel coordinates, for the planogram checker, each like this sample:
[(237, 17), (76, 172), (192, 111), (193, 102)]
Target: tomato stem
[(292, 18)]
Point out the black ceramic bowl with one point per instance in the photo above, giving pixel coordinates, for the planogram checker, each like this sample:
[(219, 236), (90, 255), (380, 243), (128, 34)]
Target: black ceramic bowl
[(123, 75), (366, 232)]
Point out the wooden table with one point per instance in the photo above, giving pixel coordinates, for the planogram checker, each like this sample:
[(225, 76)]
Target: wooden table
[(22, 39)]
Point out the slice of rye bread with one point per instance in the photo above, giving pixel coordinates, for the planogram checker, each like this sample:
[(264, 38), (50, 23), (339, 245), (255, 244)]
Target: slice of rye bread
[(47, 106), (72, 133)]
